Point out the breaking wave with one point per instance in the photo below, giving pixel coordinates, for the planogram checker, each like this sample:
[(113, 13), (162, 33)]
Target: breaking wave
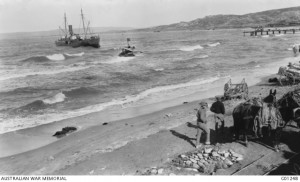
[(34, 106), (52, 57), (34, 120), (75, 55), (110, 49), (203, 56), (40, 59), (214, 44), (48, 72), (252, 62), (39, 104), (119, 60), (56, 57), (60, 97), (198, 58), (190, 48), (36, 59), (134, 98), (159, 69), (177, 86), (81, 91)]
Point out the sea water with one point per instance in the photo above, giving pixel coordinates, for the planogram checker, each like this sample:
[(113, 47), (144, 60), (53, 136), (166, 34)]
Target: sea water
[(41, 83)]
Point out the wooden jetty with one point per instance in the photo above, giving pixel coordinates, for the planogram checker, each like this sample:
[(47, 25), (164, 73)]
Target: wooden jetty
[(271, 31)]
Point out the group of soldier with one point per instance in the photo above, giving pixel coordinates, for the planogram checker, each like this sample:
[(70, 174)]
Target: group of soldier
[(203, 123)]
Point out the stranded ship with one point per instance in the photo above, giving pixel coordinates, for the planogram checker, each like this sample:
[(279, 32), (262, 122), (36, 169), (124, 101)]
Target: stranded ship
[(76, 40)]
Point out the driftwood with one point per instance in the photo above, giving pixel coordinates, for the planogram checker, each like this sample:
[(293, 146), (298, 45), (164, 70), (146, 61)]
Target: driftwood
[(64, 131), (233, 91)]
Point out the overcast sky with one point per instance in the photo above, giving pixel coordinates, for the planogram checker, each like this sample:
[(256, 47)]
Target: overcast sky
[(36, 15)]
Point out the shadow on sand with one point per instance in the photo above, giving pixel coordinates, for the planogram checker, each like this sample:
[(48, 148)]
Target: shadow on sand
[(184, 137), (225, 137)]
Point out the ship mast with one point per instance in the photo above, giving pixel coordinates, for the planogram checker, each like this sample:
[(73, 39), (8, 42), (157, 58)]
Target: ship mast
[(83, 24), (65, 18)]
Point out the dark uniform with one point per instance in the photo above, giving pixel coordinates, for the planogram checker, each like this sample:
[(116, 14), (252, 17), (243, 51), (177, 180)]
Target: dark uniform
[(219, 110)]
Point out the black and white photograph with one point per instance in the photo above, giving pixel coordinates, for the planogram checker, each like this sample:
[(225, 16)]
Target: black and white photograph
[(95, 88)]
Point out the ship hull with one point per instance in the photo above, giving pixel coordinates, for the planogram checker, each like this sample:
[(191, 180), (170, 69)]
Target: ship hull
[(92, 42)]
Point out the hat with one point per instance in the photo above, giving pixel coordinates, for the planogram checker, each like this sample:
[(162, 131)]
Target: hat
[(202, 103)]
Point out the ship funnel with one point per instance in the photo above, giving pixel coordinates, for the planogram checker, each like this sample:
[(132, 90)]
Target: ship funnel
[(70, 30)]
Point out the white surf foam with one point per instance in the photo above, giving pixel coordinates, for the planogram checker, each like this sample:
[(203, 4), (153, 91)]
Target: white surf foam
[(214, 44), (13, 75), (182, 85), (190, 48), (119, 60), (12, 124), (203, 56), (265, 36), (60, 97), (159, 69), (56, 57), (64, 69), (75, 55), (279, 35)]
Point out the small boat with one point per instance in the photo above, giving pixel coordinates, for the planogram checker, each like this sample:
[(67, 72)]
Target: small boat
[(127, 51), (76, 40)]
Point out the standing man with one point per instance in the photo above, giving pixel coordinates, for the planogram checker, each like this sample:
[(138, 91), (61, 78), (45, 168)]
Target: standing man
[(202, 124), (296, 48), (219, 110)]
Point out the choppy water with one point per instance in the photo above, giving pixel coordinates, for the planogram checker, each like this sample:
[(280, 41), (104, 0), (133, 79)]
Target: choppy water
[(42, 83)]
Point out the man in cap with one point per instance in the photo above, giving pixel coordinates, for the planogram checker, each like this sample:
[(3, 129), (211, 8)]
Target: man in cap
[(202, 124), (219, 110)]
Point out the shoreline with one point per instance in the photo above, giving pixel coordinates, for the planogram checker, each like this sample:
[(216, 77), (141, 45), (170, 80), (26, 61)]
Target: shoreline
[(31, 138), (149, 99), (67, 154)]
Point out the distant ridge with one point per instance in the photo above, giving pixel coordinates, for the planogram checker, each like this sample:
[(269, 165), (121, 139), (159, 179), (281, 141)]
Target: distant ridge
[(277, 17), (76, 30)]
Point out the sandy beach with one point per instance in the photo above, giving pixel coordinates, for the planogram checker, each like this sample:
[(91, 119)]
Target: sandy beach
[(127, 146), (114, 88)]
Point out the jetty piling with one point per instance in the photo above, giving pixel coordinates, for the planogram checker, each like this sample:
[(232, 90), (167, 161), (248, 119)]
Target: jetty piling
[(273, 31)]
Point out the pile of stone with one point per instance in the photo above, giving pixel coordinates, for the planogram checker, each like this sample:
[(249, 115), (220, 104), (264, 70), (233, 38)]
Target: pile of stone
[(207, 160)]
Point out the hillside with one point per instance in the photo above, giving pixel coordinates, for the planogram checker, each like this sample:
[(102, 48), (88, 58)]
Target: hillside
[(97, 30), (278, 17)]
